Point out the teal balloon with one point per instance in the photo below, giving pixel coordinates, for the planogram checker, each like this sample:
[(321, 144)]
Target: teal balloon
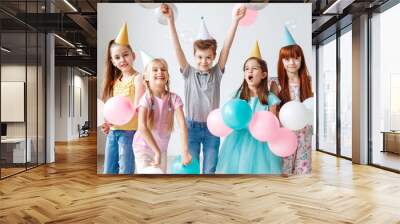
[(236, 114), (192, 168)]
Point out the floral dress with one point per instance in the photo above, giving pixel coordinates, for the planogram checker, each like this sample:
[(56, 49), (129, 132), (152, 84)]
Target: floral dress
[(300, 161)]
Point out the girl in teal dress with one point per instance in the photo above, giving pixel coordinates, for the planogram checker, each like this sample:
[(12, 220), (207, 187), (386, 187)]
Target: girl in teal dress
[(241, 153)]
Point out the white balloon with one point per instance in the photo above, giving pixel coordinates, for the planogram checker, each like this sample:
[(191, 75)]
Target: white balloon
[(150, 5), (161, 18), (294, 115), (100, 112), (309, 103), (151, 170), (256, 6), (310, 118)]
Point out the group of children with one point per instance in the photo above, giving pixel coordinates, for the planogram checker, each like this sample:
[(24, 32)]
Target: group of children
[(144, 140)]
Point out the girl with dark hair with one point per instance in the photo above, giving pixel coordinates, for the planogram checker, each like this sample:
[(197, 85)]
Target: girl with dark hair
[(120, 79), (241, 153)]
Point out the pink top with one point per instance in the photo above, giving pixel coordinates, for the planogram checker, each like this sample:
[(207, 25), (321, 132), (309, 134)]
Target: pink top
[(161, 108)]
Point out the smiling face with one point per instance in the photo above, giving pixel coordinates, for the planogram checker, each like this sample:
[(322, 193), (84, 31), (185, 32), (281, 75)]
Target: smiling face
[(204, 59), (253, 73), (122, 57), (292, 64), (157, 74)]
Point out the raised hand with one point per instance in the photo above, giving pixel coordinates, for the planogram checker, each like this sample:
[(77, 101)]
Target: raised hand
[(167, 12), (240, 13)]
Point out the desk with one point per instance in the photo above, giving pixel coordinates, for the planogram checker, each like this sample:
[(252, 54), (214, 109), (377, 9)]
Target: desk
[(391, 141), (15, 148)]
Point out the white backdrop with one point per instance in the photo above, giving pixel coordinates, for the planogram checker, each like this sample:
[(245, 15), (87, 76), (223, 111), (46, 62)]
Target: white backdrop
[(145, 33)]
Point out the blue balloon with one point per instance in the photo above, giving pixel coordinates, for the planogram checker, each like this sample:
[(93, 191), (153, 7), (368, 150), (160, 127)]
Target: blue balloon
[(236, 114), (178, 168)]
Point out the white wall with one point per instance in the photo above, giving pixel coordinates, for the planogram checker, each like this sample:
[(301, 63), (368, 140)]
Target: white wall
[(16, 73), (81, 82), (61, 103), (68, 82), (145, 33)]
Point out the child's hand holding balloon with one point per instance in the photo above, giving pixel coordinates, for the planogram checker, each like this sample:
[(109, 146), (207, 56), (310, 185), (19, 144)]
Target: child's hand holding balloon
[(167, 12), (239, 13)]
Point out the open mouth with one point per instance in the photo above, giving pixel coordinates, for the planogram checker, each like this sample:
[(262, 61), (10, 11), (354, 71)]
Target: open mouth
[(250, 77)]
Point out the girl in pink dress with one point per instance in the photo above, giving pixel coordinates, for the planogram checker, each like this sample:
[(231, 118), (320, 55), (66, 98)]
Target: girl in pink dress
[(156, 118)]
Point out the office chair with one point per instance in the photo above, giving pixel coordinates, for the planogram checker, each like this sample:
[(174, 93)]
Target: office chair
[(84, 130)]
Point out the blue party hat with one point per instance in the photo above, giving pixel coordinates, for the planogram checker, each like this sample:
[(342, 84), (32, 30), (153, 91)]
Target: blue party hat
[(288, 38)]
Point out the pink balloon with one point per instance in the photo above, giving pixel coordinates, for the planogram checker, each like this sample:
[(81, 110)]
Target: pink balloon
[(249, 18), (264, 126), (118, 110), (216, 125), (285, 144)]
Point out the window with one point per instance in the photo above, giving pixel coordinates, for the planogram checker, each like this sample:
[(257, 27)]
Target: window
[(385, 89), (346, 94), (327, 97)]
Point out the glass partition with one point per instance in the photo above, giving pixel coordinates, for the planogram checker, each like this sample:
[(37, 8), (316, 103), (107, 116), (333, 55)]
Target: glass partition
[(22, 88), (327, 97), (346, 94)]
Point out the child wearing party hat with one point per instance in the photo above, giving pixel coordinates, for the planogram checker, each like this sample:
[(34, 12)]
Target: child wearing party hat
[(241, 153), (295, 84), (202, 85), (120, 79), (156, 118)]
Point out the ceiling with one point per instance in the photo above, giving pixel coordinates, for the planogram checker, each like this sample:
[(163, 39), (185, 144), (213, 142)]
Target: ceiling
[(76, 21)]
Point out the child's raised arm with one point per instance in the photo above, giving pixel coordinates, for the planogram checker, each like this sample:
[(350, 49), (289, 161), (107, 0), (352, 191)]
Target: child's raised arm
[(139, 90), (167, 11), (223, 57), (148, 137), (186, 157)]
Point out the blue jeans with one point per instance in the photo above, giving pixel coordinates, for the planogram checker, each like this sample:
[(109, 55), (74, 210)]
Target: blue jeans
[(198, 134), (118, 156)]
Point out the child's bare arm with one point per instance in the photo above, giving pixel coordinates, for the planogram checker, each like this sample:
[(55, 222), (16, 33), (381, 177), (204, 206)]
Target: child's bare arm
[(148, 137), (186, 157), (274, 88), (239, 14), (273, 109), (105, 128), (139, 90), (167, 11)]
